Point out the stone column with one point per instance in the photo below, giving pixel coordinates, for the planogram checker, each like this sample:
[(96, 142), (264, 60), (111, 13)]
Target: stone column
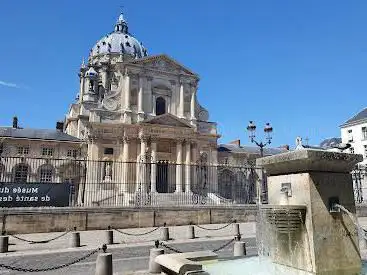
[(153, 168), (188, 167), (149, 95), (93, 175), (141, 164), (194, 147), (193, 104), (125, 170), (181, 105), (153, 107), (173, 97), (82, 84), (127, 115), (214, 168), (179, 166), (140, 99)]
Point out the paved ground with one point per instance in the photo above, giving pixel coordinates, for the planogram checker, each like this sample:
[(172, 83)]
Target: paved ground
[(130, 253)]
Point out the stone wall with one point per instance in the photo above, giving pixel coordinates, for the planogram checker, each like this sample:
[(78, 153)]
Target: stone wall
[(33, 220), (37, 220)]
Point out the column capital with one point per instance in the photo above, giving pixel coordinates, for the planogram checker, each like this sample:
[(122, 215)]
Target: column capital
[(173, 82), (154, 139), (126, 139), (144, 138), (149, 78), (180, 140)]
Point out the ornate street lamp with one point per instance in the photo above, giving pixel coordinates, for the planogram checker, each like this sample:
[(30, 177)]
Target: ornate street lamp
[(267, 130), (251, 128)]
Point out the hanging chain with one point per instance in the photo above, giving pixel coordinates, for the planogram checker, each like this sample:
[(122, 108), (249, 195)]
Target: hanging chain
[(41, 241), (137, 234), (22, 269)]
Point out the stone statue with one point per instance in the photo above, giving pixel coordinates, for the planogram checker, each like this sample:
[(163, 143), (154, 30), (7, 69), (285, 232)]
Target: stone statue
[(108, 171)]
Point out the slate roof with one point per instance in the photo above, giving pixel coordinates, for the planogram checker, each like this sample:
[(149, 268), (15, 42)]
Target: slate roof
[(361, 115), (330, 142), (40, 134), (249, 149)]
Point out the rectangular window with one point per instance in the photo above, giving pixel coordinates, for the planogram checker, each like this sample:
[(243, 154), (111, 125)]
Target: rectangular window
[(108, 151), (350, 136), (72, 153), (23, 150), (46, 175), (47, 151), (364, 132), (365, 151), (351, 150)]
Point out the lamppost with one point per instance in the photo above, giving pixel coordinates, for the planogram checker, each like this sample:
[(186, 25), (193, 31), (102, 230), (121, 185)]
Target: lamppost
[(251, 128)]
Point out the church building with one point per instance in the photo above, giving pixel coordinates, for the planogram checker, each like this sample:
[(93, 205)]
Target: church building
[(142, 122)]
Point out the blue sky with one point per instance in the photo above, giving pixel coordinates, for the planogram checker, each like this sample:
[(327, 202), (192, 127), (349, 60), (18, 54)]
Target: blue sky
[(300, 65)]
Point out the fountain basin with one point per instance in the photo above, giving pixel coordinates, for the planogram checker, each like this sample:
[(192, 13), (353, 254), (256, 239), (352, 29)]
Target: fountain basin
[(259, 266)]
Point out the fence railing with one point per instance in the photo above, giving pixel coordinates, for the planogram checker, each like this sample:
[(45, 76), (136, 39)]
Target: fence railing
[(73, 182), (136, 184)]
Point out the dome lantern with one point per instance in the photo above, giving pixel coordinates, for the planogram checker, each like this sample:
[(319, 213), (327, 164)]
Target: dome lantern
[(120, 41)]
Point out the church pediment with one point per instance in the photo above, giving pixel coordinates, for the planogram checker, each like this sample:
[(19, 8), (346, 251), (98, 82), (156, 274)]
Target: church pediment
[(167, 120), (163, 63)]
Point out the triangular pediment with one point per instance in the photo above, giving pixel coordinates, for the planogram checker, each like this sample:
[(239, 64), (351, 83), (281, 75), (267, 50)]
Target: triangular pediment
[(163, 63), (167, 120)]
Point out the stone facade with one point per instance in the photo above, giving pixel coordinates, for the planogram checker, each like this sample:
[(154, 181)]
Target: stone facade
[(137, 108), (36, 155)]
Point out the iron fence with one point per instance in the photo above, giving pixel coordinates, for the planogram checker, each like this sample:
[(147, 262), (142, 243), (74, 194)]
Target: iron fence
[(135, 184), (131, 184)]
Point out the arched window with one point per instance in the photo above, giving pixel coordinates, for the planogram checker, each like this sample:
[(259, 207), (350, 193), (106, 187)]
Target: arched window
[(20, 173), (160, 106), (45, 173)]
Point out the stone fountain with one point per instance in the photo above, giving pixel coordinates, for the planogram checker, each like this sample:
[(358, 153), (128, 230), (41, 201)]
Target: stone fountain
[(301, 230), (301, 227)]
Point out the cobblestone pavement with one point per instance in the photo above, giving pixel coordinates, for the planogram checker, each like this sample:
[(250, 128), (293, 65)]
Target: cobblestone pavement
[(125, 260)]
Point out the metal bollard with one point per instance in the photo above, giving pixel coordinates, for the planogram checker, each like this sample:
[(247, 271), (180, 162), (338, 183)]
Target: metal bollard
[(191, 232), (104, 264), (154, 267), (75, 239), (108, 236), (236, 229), (164, 234), (239, 249), (4, 244)]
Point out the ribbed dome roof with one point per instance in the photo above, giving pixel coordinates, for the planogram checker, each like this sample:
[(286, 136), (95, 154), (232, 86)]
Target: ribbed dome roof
[(119, 41)]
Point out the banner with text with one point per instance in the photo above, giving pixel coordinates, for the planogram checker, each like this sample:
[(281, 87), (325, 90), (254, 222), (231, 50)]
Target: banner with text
[(34, 194)]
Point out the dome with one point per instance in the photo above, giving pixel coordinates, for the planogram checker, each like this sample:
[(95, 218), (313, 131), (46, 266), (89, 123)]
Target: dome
[(120, 41)]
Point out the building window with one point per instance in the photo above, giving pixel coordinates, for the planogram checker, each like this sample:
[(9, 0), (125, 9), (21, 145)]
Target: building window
[(365, 151), (21, 173), (72, 153), (108, 151), (364, 132), (160, 106), (351, 150), (45, 174), (350, 136), (47, 151), (23, 150)]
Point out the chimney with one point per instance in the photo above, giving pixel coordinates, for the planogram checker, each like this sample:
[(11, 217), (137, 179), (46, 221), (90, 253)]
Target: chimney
[(286, 147), (60, 126), (15, 122), (236, 142)]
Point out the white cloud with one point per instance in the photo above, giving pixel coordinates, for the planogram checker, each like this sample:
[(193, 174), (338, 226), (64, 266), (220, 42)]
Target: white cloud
[(12, 85), (8, 84)]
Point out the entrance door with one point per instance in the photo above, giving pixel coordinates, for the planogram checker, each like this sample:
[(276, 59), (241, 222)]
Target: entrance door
[(162, 177)]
